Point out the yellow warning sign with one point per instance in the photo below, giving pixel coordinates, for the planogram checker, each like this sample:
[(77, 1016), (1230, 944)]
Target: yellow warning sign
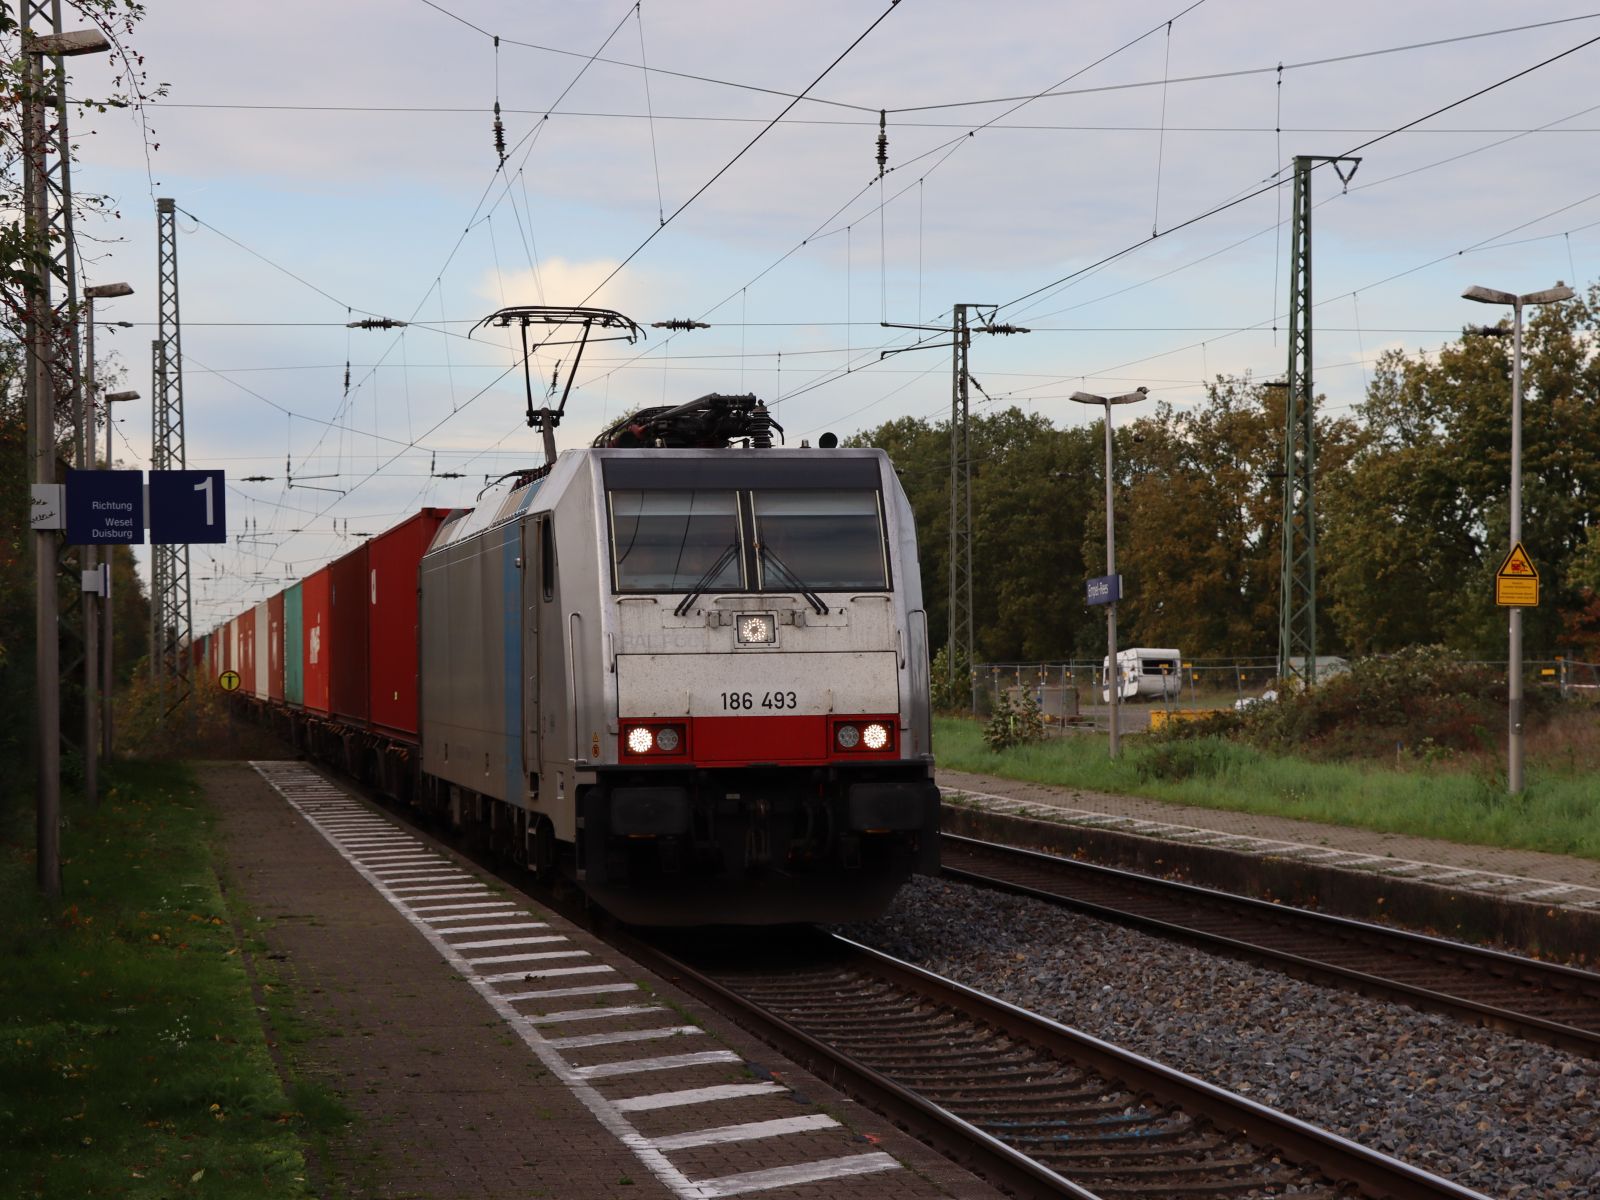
[(229, 681), (1516, 583)]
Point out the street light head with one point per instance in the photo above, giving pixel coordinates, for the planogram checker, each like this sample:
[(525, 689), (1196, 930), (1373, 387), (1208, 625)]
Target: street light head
[(68, 44), (104, 291), (1485, 295), (1087, 398), (1550, 295), (1130, 397), (112, 397)]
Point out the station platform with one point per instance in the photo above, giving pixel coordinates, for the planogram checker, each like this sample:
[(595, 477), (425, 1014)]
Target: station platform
[(490, 1049), (1524, 899)]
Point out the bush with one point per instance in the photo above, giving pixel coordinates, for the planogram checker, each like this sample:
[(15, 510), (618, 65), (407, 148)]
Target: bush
[(152, 723), (1192, 758), (952, 689), (1016, 721), (1423, 703)]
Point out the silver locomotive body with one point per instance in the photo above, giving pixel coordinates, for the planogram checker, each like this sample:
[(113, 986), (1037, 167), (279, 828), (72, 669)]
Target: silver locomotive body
[(699, 676)]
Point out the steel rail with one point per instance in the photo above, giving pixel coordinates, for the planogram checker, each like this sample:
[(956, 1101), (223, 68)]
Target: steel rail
[(1345, 1162), (953, 1137), (1404, 946)]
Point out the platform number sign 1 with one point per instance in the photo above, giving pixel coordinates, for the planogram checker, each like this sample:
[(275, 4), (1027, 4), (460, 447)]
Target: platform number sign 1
[(188, 506)]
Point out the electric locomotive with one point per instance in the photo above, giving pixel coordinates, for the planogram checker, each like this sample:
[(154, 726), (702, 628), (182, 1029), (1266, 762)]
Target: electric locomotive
[(692, 668)]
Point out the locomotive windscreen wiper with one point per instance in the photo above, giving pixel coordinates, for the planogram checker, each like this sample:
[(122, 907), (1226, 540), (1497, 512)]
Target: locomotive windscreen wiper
[(705, 580), (767, 553)]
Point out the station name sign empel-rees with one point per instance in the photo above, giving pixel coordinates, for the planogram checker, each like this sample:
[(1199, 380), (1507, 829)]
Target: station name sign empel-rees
[(114, 507), (1104, 589)]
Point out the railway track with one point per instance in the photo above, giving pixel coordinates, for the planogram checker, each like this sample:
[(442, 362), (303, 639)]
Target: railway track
[(1038, 1108), (1546, 1002)]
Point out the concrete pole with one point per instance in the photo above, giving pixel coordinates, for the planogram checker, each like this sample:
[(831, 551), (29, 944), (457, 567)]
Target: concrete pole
[(91, 559), (1514, 667), (106, 628), (1113, 675), (40, 345)]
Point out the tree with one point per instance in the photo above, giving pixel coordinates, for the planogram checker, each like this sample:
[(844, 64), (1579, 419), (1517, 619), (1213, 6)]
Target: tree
[(1200, 520), (22, 267), (1418, 525), (1031, 494)]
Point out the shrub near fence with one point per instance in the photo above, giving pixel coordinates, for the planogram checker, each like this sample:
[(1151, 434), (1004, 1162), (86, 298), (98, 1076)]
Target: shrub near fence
[(1425, 701)]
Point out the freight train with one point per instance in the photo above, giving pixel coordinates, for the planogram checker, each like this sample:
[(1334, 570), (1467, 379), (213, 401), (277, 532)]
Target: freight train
[(683, 667)]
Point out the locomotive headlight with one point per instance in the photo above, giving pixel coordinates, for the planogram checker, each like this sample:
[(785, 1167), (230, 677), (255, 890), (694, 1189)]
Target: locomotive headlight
[(641, 740), (875, 736), (848, 736), (756, 629), (667, 740)]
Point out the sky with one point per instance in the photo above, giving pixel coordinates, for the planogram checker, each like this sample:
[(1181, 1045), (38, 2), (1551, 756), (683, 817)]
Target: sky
[(334, 162)]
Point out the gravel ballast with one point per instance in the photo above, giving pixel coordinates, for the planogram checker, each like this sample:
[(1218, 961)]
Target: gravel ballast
[(1507, 1117)]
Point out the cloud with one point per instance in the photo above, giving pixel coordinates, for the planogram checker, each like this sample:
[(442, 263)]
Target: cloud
[(560, 281)]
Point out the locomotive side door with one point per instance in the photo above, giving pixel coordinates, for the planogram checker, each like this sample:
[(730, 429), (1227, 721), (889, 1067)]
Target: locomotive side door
[(554, 735), (532, 582)]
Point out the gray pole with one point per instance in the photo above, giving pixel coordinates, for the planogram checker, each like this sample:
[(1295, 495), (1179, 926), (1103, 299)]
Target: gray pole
[(106, 629), (1485, 295), (1514, 667), (91, 562), (41, 421), (1113, 675)]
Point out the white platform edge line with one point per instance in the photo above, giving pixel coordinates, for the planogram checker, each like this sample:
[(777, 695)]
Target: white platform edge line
[(702, 1095), (793, 1176), (582, 1041), (749, 1131)]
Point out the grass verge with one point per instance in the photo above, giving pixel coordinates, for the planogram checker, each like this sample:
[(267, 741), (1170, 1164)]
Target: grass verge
[(132, 1059), (1558, 812)]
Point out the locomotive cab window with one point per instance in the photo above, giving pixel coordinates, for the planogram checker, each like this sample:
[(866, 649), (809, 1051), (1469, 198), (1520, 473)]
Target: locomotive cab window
[(827, 540), (676, 541)]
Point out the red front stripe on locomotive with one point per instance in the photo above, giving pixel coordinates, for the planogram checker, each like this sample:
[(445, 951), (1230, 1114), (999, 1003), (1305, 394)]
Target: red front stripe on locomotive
[(788, 739)]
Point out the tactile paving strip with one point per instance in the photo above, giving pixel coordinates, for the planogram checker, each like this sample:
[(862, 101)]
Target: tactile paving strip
[(643, 1074)]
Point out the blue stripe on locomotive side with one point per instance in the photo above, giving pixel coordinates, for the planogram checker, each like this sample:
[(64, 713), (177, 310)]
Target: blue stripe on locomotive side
[(511, 659)]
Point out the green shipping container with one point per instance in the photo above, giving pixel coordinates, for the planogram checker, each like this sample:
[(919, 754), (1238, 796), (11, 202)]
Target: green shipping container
[(294, 679)]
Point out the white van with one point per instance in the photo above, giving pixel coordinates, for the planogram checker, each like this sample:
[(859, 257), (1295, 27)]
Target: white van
[(1144, 672)]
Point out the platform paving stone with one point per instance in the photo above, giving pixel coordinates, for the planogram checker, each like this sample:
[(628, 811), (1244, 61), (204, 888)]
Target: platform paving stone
[(474, 1061)]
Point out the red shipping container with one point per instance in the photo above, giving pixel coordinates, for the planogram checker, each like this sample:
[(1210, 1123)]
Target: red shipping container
[(247, 653), (392, 561), (314, 639), (226, 633), (345, 638), (275, 648)]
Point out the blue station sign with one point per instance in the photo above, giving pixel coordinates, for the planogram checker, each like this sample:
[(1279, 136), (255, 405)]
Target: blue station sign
[(187, 507), (1105, 589), (105, 508)]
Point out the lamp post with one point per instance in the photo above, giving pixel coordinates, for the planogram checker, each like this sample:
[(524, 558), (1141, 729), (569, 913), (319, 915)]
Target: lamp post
[(1113, 676), (1485, 295), (93, 578), (106, 628)]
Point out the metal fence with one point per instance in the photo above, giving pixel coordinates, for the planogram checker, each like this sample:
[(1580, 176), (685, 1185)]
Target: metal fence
[(1061, 687), (1201, 679)]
